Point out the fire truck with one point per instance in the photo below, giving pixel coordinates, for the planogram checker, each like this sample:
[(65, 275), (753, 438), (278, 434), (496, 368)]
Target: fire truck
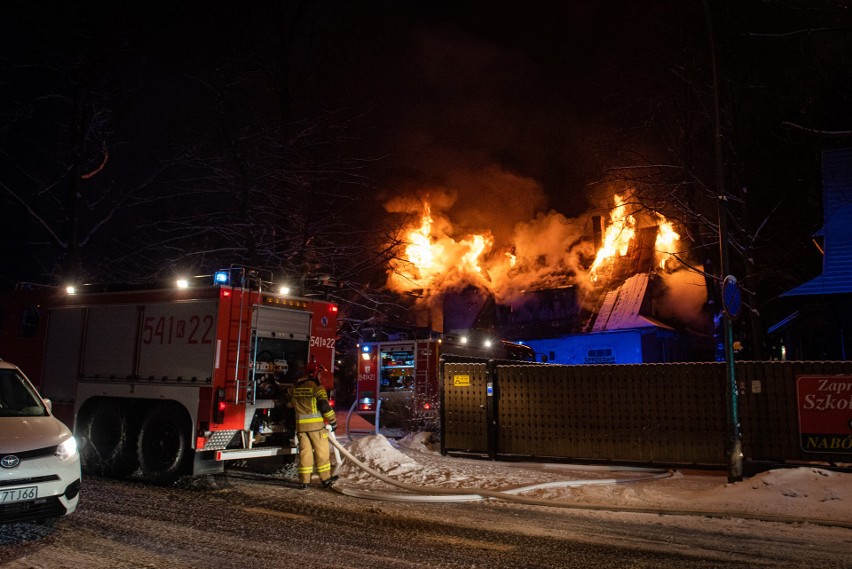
[(398, 385), (163, 383)]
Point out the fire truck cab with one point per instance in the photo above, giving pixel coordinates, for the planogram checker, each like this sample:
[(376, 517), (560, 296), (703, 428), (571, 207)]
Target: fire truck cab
[(169, 382)]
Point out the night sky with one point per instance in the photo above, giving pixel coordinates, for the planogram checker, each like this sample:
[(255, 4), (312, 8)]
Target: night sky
[(503, 111)]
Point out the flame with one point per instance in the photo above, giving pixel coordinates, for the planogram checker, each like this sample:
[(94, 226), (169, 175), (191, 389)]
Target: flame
[(617, 237), (544, 252), (420, 251), (433, 260), (667, 237), (477, 245)]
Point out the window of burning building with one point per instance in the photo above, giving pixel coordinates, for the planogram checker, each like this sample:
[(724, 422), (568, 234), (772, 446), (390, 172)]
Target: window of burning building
[(600, 356)]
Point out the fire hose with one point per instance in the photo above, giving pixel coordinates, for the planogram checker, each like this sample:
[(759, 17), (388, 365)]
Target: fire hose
[(438, 494)]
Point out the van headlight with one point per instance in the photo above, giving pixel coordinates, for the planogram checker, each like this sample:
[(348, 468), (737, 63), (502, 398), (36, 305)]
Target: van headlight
[(67, 449)]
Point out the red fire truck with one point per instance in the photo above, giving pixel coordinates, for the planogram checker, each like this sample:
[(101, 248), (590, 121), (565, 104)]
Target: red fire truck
[(170, 382), (398, 379)]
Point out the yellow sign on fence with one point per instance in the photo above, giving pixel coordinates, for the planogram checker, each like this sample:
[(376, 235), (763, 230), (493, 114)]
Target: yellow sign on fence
[(461, 381)]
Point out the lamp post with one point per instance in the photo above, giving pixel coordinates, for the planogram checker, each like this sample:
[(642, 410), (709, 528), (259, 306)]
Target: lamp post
[(734, 442)]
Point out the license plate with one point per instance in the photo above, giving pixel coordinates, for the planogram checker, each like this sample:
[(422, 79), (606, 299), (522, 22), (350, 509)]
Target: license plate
[(18, 494)]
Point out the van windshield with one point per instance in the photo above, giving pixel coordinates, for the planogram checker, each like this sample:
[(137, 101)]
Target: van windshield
[(17, 396)]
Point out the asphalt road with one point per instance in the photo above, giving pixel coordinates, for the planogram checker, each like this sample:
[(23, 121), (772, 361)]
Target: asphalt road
[(246, 519)]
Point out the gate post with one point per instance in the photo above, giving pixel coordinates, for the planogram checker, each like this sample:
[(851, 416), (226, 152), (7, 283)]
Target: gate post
[(491, 393), (442, 428)]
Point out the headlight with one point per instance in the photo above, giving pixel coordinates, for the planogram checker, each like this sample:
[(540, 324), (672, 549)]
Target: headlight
[(67, 449)]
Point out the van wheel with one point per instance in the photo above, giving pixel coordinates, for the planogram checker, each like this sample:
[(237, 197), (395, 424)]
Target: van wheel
[(110, 441), (164, 449)]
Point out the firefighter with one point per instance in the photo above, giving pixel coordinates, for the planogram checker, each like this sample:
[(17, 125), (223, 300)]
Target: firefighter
[(310, 403)]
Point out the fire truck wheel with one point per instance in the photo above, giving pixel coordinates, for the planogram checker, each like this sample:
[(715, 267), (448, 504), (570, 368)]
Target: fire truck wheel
[(110, 441), (164, 449)]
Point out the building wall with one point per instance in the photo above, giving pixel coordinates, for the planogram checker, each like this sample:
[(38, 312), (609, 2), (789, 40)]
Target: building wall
[(633, 346), (623, 347)]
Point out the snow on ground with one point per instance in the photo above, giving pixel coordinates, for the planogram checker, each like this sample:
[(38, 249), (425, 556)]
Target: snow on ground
[(805, 492)]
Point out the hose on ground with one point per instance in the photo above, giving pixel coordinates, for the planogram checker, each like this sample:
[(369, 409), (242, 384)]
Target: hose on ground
[(423, 493), (438, 494)]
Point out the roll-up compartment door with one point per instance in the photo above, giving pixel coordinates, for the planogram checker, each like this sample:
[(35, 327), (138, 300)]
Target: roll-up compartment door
[(283, 323)]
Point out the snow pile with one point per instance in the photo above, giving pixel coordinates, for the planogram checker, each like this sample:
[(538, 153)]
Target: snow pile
[(812, 492), (822, 485), (421, 442), (421, 466), (376, 452), (804, 492)]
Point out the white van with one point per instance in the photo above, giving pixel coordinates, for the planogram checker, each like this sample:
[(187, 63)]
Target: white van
[(39, 462)]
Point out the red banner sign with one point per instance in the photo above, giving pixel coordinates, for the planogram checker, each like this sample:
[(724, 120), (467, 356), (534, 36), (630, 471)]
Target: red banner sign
[(825, 413)]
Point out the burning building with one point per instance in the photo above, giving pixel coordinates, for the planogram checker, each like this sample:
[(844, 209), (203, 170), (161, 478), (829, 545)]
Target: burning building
[(578, 291)]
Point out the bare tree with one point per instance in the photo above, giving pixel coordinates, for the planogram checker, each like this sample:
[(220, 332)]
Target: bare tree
[(780, 64), (60, 147)]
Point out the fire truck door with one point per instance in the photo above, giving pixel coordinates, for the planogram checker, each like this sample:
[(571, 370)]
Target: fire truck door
[(62, 354), (111, 339)]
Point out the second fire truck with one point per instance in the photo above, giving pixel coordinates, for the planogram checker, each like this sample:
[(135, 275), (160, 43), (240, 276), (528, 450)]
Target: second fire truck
[(398, 380)]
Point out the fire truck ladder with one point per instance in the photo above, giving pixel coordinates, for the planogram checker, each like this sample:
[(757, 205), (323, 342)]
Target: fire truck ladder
[(245, 346), (426, 360)]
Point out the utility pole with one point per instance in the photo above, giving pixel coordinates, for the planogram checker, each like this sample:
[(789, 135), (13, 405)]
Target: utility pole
[(734, 442)]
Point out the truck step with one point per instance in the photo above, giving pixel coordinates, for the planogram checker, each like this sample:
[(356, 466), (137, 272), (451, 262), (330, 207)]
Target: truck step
[(244, 453)]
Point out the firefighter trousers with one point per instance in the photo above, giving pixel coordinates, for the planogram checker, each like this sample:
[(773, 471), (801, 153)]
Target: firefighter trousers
[(314, 453)]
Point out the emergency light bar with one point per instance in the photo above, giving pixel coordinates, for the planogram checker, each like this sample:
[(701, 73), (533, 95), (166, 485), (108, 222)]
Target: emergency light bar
[(221, 278)]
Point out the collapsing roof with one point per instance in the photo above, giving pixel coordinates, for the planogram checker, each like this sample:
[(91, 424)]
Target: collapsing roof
[(627, 286), (621, 306), (621, 299)]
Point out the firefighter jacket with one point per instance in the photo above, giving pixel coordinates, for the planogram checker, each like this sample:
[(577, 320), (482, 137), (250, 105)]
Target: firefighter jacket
[(310, 402)]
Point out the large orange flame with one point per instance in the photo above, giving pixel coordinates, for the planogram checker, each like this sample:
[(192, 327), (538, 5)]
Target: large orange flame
[(617, 236), (432, 260), (667, 238)]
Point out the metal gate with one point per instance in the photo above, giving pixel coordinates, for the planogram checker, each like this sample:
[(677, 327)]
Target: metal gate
[(464, 412), (648, 413)]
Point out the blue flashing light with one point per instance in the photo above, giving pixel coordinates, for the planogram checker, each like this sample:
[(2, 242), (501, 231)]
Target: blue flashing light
[(366, 349), (221, 277)]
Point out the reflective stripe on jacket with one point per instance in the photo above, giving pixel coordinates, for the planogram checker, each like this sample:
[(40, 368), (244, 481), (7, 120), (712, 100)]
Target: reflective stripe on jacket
[(310, 401)]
